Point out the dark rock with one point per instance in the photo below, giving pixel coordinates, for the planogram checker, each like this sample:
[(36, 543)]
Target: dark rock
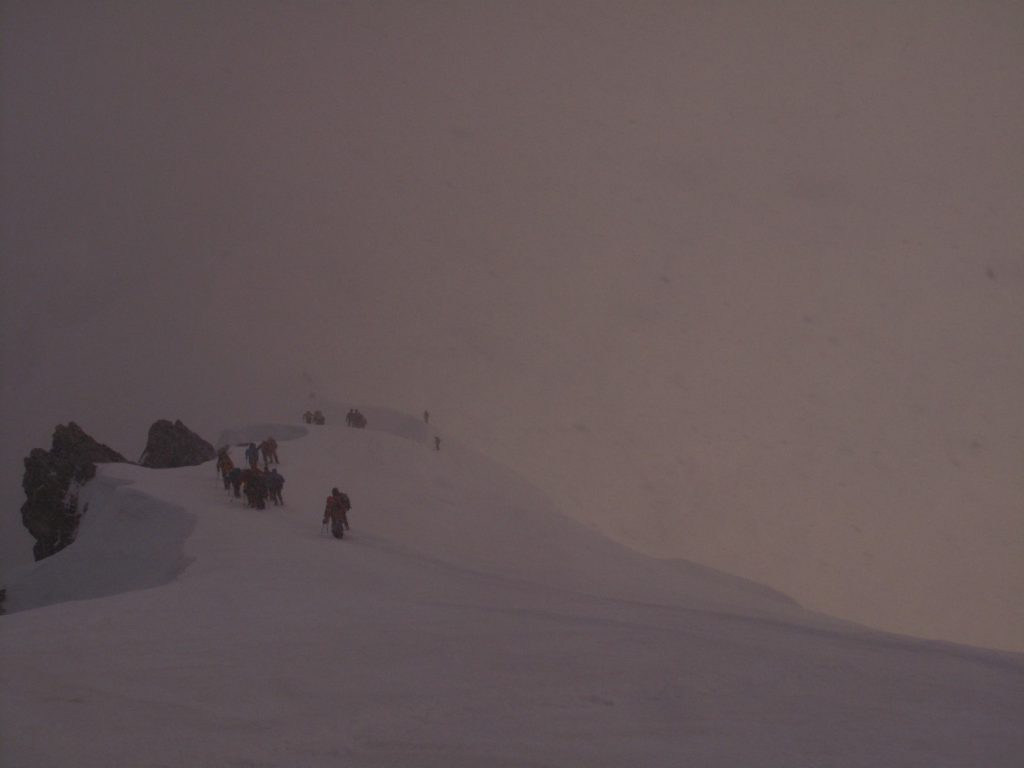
[(51, 483), (175, 445)]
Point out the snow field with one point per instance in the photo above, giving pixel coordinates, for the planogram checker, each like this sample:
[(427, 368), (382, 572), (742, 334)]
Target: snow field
[(464, 622)]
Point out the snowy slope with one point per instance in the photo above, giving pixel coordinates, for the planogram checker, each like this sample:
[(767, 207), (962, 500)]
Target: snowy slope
[(464, 622), (739, 283)]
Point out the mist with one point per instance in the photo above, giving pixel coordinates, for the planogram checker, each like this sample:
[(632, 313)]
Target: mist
[(766, 256)]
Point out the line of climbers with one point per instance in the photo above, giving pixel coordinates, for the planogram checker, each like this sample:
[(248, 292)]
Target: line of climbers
[(257, 485), (355, 419), (314, 417)]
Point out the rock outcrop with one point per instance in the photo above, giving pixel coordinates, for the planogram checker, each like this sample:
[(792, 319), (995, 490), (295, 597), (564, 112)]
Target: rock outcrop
[(52, 481), (174, 445)]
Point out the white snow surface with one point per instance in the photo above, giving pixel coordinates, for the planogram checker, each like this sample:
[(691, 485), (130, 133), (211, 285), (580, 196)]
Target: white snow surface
[(463, 622)]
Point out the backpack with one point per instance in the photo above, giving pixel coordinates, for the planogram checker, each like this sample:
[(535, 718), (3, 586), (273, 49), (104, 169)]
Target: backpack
[(344, 503)]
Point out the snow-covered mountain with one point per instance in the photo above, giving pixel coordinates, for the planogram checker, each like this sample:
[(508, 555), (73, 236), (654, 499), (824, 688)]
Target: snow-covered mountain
[(739, 283), (464, 621)]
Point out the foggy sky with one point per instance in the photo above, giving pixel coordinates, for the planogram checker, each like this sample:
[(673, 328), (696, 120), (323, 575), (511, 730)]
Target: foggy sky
[(736, 282)]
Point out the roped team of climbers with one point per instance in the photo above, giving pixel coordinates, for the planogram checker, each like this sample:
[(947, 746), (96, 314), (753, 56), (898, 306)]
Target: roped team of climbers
[(352, 419), (259, 485), (314, 417), (355, 419)]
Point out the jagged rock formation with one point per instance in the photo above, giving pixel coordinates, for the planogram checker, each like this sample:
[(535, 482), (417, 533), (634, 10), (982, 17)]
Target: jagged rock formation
[(174, 445), (51, 482)]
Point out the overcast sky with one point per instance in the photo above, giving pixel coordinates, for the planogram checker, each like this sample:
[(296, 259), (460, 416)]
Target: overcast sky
[(737, 282)]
